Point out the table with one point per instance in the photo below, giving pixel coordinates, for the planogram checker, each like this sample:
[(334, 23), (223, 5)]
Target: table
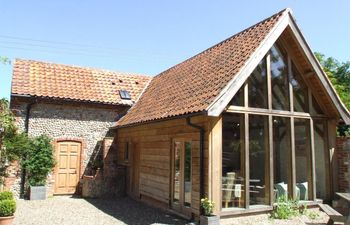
[(346, 197)]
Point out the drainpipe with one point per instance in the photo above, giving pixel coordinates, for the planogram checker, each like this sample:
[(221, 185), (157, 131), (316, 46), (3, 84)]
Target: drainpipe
[(201, 158), (26, 130)]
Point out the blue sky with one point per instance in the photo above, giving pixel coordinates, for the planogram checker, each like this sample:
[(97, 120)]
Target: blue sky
[(150, 36)]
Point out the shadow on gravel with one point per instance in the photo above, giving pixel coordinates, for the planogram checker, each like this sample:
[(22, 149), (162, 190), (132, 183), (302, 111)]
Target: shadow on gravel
[(133, 212)]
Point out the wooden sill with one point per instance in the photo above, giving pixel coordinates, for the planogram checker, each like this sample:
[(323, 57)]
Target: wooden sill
[(237, 212)]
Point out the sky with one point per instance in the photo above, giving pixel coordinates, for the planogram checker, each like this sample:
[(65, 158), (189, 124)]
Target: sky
[(148, 37)]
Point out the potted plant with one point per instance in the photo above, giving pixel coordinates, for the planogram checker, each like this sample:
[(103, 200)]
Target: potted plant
[(39, 163), (208, 218), (7, 208)]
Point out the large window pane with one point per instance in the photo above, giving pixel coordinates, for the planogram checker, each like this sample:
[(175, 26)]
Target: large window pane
[(188, 173), (315, 109), (238, 99), (321, 158), (257, 86), (177, 171), (300, 92), (282, 152), (279, 80), (258, 160), (303, 159), (233, 161)]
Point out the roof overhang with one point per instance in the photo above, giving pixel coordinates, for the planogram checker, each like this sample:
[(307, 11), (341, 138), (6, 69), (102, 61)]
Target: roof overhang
[(287, 20)]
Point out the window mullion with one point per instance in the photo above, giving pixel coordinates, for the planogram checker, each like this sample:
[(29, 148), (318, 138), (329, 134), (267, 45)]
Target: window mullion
[(246, 160), (271, 161), (291, 97), (269, 84), (292, 160), (313, 166)]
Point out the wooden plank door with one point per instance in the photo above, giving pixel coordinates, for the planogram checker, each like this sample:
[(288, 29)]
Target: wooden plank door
[(67, 168)]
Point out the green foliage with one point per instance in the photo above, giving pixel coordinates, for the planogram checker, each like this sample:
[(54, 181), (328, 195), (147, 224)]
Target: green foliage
[(6, 195), (13, 144), (7, 204), (7, 207), (207, 206), (312, 214), (285, 208), (5, 60), (39, 160), (339, 75)]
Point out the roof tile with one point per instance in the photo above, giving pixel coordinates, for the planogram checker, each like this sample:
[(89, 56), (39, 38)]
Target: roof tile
[(74, 83), (192, 85)]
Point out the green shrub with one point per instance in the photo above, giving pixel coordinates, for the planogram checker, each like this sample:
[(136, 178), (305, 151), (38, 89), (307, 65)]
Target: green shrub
[(39, 160), (7, 207), (6, 195), (285, 208)]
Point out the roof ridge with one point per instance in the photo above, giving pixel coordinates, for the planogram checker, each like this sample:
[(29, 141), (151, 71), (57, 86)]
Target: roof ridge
[(286, 10), (81, 67)]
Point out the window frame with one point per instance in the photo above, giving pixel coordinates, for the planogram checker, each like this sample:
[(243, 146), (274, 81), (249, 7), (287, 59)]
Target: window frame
[(291, 114)]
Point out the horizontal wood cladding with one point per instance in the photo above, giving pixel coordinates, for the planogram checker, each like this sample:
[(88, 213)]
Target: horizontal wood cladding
[(154, 141)]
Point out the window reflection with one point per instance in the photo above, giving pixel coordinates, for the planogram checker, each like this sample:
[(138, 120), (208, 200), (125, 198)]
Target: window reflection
[(303, 173), (232, 161), (257, 86), (300, 91), (282, 151), (279, 80), (258, 160)]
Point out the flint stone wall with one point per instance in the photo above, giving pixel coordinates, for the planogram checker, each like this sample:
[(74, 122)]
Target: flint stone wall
[(89, 124)]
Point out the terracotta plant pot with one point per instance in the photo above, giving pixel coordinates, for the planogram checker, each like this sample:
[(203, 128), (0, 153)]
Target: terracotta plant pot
[(209, 220), (7, 220)]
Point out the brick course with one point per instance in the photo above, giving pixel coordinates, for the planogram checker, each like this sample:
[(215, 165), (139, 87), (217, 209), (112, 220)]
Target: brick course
[(343, 157)]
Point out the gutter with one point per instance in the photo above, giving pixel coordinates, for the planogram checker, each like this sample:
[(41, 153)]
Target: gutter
[(201, 158)]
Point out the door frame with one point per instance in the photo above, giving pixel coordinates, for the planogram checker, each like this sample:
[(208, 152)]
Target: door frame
[(80, 170), (185, 210)]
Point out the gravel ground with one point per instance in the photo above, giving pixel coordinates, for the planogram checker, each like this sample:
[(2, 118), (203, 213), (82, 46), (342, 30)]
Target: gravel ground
[(66, 210)]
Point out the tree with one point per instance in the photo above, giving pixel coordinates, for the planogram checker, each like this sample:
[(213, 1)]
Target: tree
[(339, 75)]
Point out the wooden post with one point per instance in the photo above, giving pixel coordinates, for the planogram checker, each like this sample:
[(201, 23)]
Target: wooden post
[(246, 159), (271, 161), (292, 182), (332, 134), (313, 166), (215, 162)]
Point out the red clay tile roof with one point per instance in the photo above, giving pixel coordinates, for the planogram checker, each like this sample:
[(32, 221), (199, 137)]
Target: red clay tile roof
[(192, 85), (74, 83)]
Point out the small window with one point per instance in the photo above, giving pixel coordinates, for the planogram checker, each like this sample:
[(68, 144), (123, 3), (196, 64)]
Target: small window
[(126, 152), (124, 94)]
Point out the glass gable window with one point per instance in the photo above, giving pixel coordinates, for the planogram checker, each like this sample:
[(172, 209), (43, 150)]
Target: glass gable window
[(238, 99), (267, 149), (300, 92), (282, 152), (279, 80), (257, 86), (315, 109), (320, 136), (302, 159), (233, 161), (258, 160)]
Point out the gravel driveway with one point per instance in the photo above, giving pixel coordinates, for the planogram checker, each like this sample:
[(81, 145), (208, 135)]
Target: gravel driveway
[(64, 210)]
